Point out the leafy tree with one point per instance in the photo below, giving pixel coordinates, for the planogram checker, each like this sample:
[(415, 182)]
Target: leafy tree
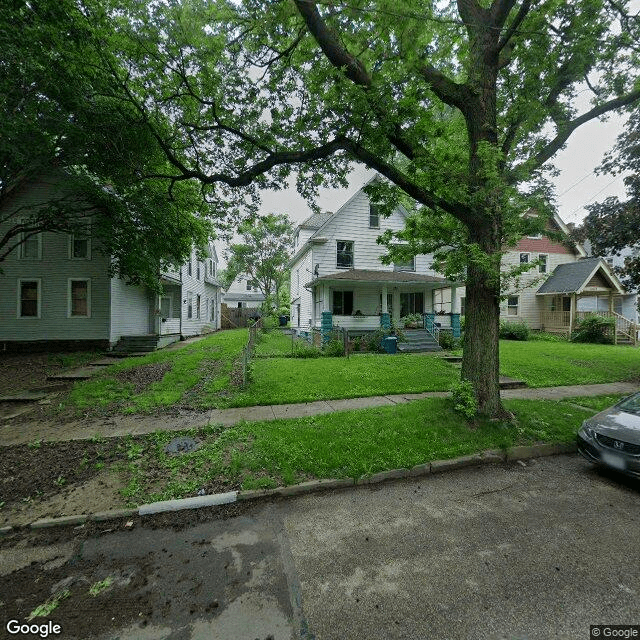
[(65, 121), (263, 255), (460, 106), (613, 226)]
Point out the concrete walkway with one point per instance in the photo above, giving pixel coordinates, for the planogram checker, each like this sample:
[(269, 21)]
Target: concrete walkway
[(137, 425)]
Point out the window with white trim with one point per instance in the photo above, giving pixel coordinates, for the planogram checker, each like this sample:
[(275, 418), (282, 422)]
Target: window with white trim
[(342, 303), (374, 216), (512, 305), (29, 298), (344, 254), (198, 306), (31, 247), (407, 265), (544, 259), (189, 305), (79, 298), (197, 269), (189, 267), (80, 244), (524, 258)]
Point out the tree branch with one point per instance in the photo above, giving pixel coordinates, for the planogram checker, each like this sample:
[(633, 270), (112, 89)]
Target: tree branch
[(450, 92), (563, 135), (513, 27)]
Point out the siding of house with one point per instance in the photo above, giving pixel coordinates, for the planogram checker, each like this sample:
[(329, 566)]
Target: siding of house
[(53, 269), (131, 308), (237, 292), (207, 292)]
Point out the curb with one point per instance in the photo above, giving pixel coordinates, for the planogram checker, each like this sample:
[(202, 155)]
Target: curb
[(437, 466)]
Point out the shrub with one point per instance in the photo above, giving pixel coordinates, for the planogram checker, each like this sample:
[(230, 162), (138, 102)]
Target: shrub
[(333, 349), (544, 336), (595, 329), (514, 330), (447, 341), (464, 400), (306, 351), (269, 323), (412, 318)]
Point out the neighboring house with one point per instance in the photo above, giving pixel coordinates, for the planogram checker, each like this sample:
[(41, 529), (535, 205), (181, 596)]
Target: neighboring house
[(55, 289), (564, 286), (336, 268), (337, 273), (243, 293)]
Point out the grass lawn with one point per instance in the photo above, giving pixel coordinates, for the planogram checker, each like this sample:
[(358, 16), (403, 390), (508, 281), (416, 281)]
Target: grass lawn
[(347, 444), (551, 364), (165, 377), (281, 381), (276, 343)]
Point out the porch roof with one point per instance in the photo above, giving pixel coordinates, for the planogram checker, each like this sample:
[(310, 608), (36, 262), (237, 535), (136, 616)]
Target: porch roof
[(574, 277), (381, 277)]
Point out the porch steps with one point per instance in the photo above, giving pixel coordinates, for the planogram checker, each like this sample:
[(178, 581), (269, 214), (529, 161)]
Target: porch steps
[(136, 344), (418, 341)]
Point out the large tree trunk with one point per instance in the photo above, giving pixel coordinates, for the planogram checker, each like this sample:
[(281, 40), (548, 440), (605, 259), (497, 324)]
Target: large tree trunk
[(481, 360)]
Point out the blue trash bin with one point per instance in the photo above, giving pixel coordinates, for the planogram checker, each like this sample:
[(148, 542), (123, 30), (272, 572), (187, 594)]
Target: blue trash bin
[(390, 344)]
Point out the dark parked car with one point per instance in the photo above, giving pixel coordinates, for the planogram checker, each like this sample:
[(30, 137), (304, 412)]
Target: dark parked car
[(612, 437)]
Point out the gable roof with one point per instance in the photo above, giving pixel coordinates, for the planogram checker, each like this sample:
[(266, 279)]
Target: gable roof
[(315, 220), (573, 277)]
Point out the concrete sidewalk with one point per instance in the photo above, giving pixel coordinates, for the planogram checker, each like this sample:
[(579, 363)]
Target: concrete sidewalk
[(137, 425)]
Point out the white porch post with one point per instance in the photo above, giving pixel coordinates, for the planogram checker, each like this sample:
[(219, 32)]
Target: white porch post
[(385, 308), (396, 305), (454, 302), (433, 300)]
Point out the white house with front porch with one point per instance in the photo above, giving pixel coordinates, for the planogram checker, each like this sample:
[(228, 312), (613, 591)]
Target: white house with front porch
[(337, 269)]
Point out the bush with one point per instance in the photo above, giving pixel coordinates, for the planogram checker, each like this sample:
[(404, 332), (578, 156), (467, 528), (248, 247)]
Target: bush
[(306, 351), (333, 349), (544, 336), (412, 318), (595, 329), (464, 399), (373, 340), (514, 330), (269, 323), (447, 341)]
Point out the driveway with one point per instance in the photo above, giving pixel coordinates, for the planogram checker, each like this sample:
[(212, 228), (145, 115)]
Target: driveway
[(533, 551)]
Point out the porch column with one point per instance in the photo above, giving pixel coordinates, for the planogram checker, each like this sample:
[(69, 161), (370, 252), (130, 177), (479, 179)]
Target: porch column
[(454, 302), (385, 318), (433, 300), (396, 305)]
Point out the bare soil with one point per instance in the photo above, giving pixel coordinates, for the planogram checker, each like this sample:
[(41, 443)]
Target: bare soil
[(144, 375)]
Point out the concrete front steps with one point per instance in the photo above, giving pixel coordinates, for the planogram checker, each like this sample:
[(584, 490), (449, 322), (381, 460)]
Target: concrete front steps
[(418, 341), (128, 345)]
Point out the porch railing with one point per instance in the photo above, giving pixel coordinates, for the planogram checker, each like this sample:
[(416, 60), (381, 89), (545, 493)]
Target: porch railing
[(560, 320)]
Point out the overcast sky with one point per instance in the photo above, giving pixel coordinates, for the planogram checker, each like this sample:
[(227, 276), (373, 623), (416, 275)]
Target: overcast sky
[(576, 185)]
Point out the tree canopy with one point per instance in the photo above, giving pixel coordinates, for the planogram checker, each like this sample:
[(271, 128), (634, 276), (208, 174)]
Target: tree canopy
[(613, 226), (461, 106), (263, 255), (65, 118)]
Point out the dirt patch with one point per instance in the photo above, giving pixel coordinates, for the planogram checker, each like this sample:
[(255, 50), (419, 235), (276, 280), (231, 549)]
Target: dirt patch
[(19, 372), (144, 375)]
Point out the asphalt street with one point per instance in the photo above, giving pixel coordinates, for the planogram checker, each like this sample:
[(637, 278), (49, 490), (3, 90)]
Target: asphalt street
[(521, 551)]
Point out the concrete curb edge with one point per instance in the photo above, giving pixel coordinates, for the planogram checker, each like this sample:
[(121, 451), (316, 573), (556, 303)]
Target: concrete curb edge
[(512, 454)]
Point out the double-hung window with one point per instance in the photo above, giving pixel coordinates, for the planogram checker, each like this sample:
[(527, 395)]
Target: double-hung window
[(542, 265), (344, 253), (512, 305), (80, 244), (79, 298), (198, 306), (189, 305), (29, 297), (342, 303), (374, 217), (31, 247), (407, 265)]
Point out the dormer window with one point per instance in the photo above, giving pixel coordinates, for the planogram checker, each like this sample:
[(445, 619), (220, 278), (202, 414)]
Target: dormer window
[(374, 216)]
